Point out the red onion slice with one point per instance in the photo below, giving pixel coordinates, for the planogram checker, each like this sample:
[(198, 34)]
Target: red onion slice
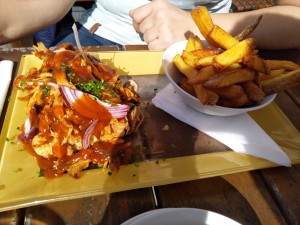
[(78, 42), (87, 134), (29, 129), (72, 95)]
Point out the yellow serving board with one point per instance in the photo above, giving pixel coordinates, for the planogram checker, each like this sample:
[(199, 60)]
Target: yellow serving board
[(124, 62), (21, 187)]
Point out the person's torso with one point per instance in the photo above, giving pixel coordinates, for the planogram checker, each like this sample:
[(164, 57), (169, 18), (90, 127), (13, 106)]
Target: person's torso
[(116, 24)]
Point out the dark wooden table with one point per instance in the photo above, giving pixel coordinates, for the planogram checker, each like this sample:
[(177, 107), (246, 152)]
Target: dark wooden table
[(267, 196), (247, 5)]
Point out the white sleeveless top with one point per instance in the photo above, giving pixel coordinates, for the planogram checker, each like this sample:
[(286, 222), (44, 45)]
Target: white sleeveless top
[(116, 24)]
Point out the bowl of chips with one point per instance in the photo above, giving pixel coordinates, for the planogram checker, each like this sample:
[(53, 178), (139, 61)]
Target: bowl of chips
[(173, 58), (223, 75)]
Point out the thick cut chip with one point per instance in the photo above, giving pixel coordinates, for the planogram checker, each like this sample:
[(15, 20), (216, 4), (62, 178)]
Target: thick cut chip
[(234, 54), (193, 43), (281, 82), (206, 61), (222, 38), (201, 53), (230, 77), (205, 96), (203, 75), (282, 64), (256, 63), (190, 58), (273, 74), (253, 92), (183, 83), (248, 30), (277, 72), (184, 68), (241, 101), (234, 66), (204, 23), (198, 43), (229, 92)]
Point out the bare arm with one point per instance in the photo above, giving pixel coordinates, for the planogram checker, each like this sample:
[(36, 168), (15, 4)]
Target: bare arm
[(278, 29), (287, 2), (163, 24), (19, 18)]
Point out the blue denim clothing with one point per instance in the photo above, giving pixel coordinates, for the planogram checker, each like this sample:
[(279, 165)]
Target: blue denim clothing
[(46, 36), (85, 38)]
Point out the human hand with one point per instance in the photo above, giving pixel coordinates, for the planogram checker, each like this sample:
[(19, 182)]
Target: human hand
[(162, 24)]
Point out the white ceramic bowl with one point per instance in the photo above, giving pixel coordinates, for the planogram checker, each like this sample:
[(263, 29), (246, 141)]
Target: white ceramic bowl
[(175, 76), (179, 216)]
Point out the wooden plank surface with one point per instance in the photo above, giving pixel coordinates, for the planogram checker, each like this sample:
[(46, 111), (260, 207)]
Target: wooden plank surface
[(283, 184), (247, 5), (290, 109), (12, 217), (251, 187), (241, 192), (127, 204), (105, 209)]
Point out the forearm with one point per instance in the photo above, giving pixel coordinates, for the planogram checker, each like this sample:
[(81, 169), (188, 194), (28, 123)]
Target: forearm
[(278, 29), (19, 18), (287, 2)]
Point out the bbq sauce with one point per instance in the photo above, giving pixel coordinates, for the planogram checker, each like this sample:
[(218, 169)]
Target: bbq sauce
[(68, 66)]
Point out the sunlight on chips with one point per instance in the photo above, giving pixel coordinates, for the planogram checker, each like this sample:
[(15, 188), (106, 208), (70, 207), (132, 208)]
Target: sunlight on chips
[(228, 72)]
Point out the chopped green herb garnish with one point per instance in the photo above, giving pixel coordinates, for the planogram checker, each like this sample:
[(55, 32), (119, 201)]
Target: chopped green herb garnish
[(46, 90), (109, 173), (6, 139), (92, 87), (70, 75), (22, 84), (157, 162), (38, 173), (100, 165), (18, 170), (64, 66)]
